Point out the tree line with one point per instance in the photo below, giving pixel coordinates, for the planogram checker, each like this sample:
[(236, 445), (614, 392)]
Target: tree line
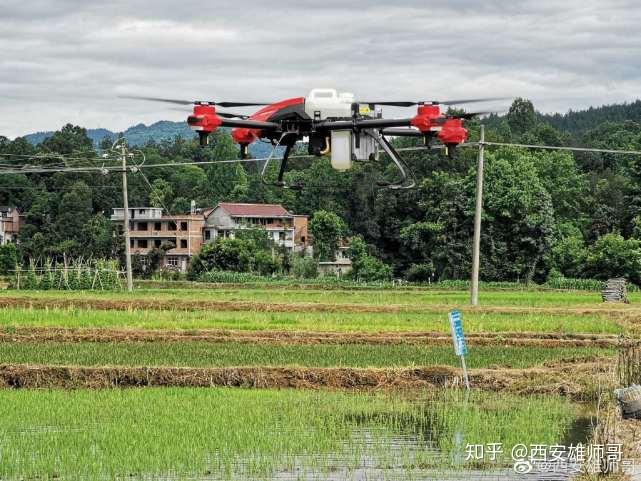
[(546, 214)]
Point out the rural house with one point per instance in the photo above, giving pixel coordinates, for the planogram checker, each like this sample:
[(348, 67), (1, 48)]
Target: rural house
[(149, 228), (283, 227), (10, 220)]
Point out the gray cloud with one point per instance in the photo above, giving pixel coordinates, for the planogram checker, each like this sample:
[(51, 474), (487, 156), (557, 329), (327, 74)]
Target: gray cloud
[(68, 60)]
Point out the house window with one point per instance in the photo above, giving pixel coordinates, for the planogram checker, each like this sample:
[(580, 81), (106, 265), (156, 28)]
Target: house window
[(281, 236), (157, 225), (207, 234), (157, 243), (142, 243), (171, 225), (183, 243), (183, 226), (142, 226), (131, 242), (172, 261)]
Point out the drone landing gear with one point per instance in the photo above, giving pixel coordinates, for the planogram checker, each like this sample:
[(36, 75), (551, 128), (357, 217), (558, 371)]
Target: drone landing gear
[(289, 145), (406, 181), (244, 151)]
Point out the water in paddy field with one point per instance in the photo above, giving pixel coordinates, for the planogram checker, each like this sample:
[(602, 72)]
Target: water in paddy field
[(371, 454), (400, 454)]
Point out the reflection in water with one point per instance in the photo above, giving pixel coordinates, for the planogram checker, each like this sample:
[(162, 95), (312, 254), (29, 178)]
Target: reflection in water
[(404, 458)]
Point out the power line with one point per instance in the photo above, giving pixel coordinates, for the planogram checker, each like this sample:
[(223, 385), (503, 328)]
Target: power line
[(573, 149), (54, 189), (106, 169), (115, 168)]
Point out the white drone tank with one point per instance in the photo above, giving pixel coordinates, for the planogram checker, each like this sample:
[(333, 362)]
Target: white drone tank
[(323, 104)]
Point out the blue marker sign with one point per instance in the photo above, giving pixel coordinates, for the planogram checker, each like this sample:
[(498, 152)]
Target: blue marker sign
[(458, 338)]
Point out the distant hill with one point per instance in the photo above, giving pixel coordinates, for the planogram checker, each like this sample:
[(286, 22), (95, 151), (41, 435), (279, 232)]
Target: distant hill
[(141, 134), (137, 135), (580, 121)]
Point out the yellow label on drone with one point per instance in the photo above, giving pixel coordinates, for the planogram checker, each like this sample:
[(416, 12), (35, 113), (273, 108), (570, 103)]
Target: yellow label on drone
[(363, 109)]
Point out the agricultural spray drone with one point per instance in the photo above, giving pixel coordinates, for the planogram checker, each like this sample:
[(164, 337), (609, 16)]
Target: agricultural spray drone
[(334, 123)]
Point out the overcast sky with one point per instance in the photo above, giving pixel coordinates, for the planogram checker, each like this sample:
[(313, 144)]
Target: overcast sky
[(68, 60)]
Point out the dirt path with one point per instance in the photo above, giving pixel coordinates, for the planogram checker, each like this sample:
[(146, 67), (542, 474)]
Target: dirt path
[(38, 334), (567, 378)]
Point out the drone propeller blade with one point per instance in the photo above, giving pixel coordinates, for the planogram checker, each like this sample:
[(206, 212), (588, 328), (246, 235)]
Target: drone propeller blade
[(409, 103), (239, 104), (157, 99), (470, 115), (229, 115), (226, 115), (469, 101), (192, 102)]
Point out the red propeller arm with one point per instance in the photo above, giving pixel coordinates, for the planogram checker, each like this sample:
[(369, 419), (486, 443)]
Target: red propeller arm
[(249, 124)]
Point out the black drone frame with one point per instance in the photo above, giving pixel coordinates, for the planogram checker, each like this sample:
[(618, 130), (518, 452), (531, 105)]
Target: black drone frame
[(289, 140)]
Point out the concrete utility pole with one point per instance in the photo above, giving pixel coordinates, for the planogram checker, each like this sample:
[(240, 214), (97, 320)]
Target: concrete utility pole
[(476, 247), (125, 216)]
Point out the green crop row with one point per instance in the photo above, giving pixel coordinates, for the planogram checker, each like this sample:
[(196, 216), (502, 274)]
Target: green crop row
[(412, 298), (99, 275), (307, 321), (255, 280), (225, 354)]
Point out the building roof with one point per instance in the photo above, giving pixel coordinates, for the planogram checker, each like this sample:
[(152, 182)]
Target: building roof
[(254, 210)]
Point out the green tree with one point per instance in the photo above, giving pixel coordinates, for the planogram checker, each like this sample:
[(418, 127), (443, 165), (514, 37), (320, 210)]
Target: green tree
[(569, 251), (326, 229), (518, 217), (8, 258), (71, 139), (161, 193), (74, 211), (366, 267), (613, 256), (233, 254), (97, 237), (521, 117)]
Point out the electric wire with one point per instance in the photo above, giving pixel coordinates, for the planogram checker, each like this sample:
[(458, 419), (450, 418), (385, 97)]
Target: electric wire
[(117, 168), (573, 149), (105, 169)]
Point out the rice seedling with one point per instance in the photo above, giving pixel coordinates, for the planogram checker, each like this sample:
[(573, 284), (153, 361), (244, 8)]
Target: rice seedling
[(224, 433), (435, 321), (413, 297), (226, 354)]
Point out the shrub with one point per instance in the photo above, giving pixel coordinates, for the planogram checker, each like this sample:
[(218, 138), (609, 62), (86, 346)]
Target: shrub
[(8, 258), (366, 267), (613, 256), (238, 255), (420, 273), (304, 267)]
